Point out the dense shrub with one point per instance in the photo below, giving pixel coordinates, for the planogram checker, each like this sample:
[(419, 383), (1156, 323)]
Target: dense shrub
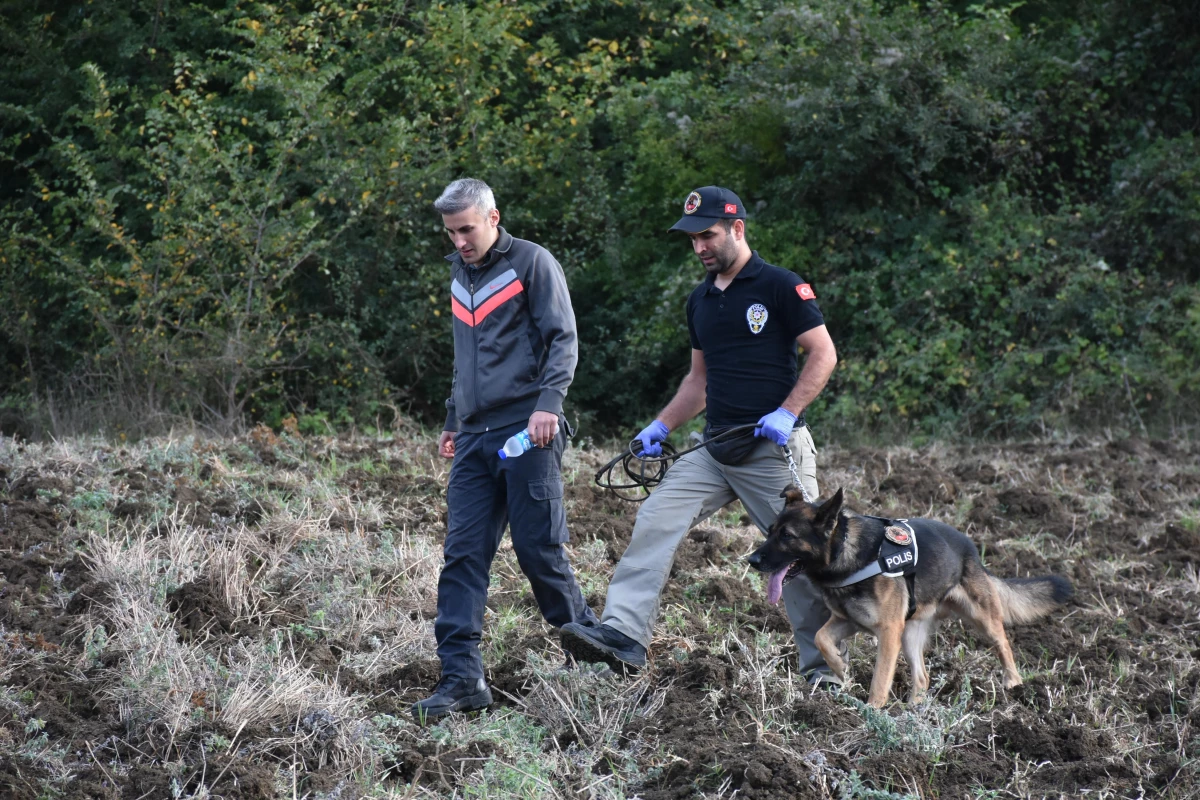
[(223, 212)]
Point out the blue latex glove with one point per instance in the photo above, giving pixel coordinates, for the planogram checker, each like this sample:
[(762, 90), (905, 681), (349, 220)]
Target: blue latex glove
[(650, 438), (776, 426)]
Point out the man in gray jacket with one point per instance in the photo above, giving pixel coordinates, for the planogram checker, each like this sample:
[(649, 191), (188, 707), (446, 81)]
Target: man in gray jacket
[(515, 351)]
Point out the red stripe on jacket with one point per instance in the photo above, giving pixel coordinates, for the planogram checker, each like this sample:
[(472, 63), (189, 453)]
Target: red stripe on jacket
[(461, 312)]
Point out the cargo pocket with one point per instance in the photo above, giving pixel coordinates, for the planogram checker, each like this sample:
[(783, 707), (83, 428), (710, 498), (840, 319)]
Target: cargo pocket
[(805, 445), (808, 469), (548, 513)]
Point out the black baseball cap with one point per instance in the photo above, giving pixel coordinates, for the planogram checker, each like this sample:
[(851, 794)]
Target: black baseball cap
[(705, 206)]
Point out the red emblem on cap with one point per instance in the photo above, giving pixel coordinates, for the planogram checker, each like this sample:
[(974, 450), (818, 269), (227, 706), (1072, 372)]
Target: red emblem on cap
[(692, 203), (731, 208), (805, 291)]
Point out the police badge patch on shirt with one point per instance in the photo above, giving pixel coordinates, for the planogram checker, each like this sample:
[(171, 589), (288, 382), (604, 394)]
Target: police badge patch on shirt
[(756, 317), (898, 552)]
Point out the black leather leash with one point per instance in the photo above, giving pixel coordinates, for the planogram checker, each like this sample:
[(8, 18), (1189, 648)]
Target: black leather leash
[(650, 470)]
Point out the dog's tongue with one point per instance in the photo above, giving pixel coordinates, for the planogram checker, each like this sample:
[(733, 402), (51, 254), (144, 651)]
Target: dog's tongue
[(775, 586)]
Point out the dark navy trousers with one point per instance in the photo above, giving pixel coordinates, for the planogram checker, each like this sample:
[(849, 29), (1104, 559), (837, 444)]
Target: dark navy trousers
[(485, 495)]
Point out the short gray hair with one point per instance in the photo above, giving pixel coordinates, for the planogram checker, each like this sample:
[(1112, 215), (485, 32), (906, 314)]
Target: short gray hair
[(466, 193)]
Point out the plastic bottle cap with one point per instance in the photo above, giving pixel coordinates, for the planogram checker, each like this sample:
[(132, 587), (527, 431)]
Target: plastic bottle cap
[(503, 455)]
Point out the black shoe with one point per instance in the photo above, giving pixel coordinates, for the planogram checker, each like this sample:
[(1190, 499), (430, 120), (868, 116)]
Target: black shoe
[(603, 644), (453, 693), (824, 682)]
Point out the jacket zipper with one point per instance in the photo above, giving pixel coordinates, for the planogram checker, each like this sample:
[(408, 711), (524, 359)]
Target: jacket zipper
[(474, 340), (472, 274)]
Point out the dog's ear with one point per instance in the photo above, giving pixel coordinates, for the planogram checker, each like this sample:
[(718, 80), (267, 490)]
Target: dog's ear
[(827, 514), (792, 494)]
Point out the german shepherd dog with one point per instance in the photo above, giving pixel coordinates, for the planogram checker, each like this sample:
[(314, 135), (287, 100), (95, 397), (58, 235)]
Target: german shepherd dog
[(830, 543)]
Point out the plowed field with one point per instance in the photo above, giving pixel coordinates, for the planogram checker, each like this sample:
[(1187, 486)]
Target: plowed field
[(252, 619)]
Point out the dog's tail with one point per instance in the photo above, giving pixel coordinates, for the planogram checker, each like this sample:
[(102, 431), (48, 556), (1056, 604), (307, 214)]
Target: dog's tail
[(1028, 599)]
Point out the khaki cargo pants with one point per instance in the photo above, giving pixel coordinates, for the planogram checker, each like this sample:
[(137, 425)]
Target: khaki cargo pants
[(696, 487)]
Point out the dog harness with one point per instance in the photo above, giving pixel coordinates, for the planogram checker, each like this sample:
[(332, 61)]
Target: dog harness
[(897, 559)]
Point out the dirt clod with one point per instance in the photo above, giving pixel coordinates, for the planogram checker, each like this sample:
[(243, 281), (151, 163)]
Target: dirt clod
[(200, 611)]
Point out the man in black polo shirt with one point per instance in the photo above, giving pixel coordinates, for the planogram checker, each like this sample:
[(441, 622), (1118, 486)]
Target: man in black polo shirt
[(745, 320)]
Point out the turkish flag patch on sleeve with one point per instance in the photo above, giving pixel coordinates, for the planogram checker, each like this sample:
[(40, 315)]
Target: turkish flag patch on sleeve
[(805, 291)]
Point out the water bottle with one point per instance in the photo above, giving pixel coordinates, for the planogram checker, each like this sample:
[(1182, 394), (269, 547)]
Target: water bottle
[(517, 444)]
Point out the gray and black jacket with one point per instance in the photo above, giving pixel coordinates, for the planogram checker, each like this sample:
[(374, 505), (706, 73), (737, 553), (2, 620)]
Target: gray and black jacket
[(515, 346)]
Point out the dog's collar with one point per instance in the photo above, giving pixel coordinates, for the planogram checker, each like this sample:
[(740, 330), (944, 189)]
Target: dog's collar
[(878, 566)]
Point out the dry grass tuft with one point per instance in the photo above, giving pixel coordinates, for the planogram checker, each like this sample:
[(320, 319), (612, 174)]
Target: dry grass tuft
[(287, 705)]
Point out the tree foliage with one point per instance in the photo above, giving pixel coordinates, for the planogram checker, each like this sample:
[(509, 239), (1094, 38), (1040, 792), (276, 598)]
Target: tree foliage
[(221, 211)]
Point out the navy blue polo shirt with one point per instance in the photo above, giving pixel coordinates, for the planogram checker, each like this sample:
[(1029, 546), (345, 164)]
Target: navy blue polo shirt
[(748, 336)]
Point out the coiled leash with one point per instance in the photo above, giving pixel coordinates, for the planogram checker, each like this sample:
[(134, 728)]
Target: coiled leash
[(651, 470)]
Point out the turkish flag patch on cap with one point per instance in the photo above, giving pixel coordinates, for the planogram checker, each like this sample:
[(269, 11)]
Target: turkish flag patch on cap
[(731, 208), (805, 291)]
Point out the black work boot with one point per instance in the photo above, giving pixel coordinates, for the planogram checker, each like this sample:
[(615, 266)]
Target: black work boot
[(453, 693), (602, 644), (824, 682)]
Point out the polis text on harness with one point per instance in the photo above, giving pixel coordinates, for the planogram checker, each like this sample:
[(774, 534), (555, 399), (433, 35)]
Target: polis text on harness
[(897, 559)]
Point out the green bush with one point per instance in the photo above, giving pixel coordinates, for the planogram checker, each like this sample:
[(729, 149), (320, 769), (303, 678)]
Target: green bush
[(223, 213)]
